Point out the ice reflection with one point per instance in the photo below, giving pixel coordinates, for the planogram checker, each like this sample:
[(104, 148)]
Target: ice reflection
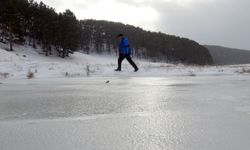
[(128, 113)]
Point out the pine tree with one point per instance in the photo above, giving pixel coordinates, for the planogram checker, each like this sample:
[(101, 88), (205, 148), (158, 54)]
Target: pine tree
[(9, 18), (69, 33)]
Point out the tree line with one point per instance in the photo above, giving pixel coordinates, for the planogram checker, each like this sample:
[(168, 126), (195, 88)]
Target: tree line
[(27, 21), (38, 24), (155, 46)]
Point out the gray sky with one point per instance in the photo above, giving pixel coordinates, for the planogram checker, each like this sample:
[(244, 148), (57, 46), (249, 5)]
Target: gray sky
[(218, 22)]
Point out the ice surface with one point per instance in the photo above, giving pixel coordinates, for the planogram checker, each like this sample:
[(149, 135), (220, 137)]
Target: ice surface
[(149, 113)]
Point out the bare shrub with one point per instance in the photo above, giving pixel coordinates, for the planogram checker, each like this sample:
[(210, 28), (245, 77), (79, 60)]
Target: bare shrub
[(244, 70), (87, 70), (4, 75), (191, 73), (30, 75)]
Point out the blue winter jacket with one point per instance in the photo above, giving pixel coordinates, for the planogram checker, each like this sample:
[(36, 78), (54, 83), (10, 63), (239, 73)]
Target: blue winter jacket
[(124, 47)]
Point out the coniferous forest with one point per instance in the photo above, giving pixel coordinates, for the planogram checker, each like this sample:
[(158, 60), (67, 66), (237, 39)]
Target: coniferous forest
[(37, 24)]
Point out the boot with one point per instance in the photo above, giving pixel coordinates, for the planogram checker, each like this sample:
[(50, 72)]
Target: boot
[(118, 69)]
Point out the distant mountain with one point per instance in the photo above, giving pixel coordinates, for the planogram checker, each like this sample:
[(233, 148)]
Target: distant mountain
[(228, 56)]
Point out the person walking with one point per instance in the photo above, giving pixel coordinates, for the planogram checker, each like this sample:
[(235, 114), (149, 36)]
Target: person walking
[(124, 52)]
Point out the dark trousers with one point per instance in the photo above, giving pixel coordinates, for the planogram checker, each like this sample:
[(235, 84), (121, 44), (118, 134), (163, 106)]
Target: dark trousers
[(127, 56)]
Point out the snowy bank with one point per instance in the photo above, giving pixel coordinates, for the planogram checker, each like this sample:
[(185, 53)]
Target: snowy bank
[(24, 61)]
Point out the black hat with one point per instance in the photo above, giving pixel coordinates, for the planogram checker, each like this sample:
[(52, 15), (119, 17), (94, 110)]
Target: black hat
[(119, 35)]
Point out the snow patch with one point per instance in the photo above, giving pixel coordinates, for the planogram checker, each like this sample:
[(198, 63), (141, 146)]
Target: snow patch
[(245, 109), (24, 59)]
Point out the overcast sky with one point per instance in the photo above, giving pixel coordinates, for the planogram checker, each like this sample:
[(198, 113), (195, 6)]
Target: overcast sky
[(218, 22)]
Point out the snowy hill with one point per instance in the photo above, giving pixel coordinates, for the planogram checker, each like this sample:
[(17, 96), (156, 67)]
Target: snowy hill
[(227, 56), (24, 59)]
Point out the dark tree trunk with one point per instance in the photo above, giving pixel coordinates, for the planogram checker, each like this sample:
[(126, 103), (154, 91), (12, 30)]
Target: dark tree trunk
[(50, 50), (63, 53), (11, 39), (34, 43)]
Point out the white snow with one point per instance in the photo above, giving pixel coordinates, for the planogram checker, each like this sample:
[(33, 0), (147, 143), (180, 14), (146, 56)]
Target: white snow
[(160, 107), (25, 59)]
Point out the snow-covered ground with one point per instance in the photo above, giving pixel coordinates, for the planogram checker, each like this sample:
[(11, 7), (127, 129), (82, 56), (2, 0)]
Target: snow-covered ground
[(80, 103), (24, 59)]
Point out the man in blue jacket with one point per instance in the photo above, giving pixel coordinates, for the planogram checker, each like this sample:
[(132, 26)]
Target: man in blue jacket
[(124, 52)]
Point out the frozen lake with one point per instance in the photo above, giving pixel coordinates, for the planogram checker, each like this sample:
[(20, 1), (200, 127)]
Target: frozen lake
[(140, 113)]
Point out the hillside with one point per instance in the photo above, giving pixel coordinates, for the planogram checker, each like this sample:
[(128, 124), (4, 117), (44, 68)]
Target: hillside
[(228, 56), (23, 21), (101, 36)]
